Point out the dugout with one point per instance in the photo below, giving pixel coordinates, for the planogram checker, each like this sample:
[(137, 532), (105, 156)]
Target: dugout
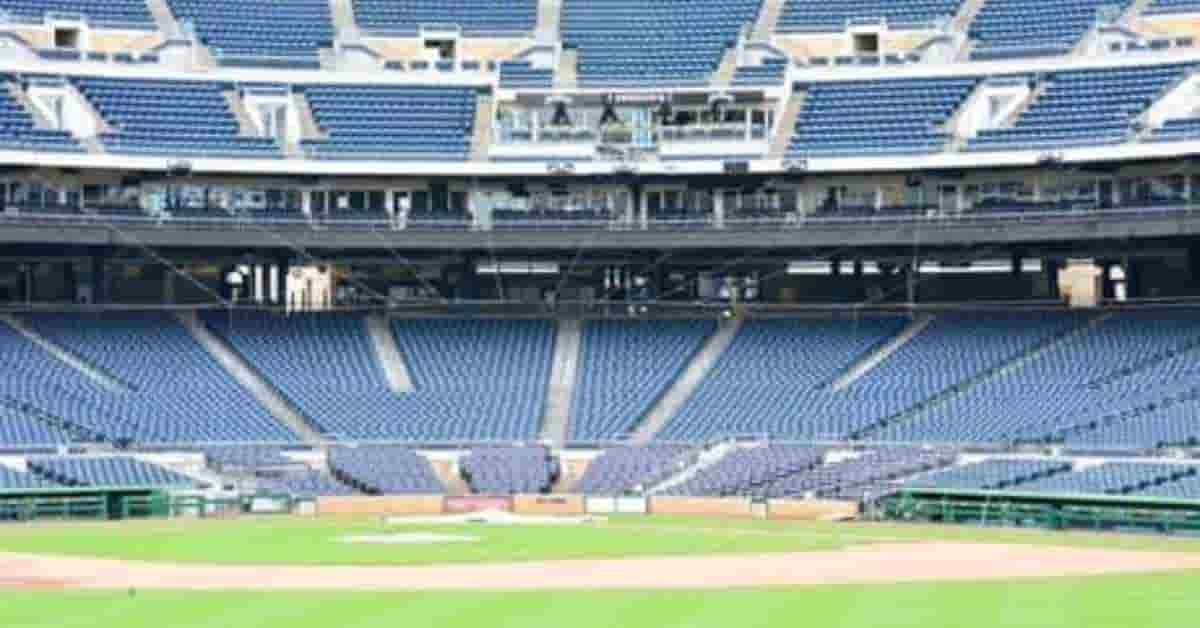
[(1126, 513), (94, 503)]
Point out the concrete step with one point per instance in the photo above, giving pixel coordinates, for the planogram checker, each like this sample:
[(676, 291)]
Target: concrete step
[(39, 120), (447, 472), (687, 383), (786, 126), (246, 375), (768, 19), (1030, 354), (247, 127), (567, 73), (568, 339), (865, 365), (704, 460), (105, 380), (395, 370), (164, 19), (481, 134), (345, 26), (309, 129), (548, 17), (966, 14), (728, 67)]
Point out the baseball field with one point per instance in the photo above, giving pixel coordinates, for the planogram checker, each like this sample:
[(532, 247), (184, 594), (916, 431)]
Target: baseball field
[(625, 571)]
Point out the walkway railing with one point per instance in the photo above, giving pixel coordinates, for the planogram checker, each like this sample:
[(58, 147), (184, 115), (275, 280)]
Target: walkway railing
[(705, 223)]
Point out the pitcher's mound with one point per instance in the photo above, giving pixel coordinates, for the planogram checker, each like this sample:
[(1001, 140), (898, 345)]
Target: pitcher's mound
[(412, 538)]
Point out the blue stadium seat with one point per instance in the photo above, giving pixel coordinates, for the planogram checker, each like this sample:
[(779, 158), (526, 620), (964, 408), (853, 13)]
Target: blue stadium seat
[(122, 14), (668, 42), (624, 368), (392, 122), (1084, 107), (476, 18), (878, 117), (801, 16), (277, 33), (325, 365), (190, 118)]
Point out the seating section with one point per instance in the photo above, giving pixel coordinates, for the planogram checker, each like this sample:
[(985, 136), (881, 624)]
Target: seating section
[(286, 33), (775, 378), (771, 71), (246, 457), (1167, 7), (304, 483), (1103, 386), (392, 122), (19, 132), (621, 469), (19, 430), (990, 475), (1184, 488), (170, 117), (749, 470), (476, 18), (1091, 381), (13, 480), (1027, 28), (624, 368), (475, 379), (871, 474), (174, 392), (668, 42), (1084, 107), (1112, 478), (509, 470), (522, 74), (107, 471), (124, 14), (381, 470), (802, 16), (879, 116), (1177, 129)]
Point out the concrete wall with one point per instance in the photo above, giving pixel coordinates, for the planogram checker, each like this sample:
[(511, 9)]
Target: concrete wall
[(548, 504), (396, 505), (713, 506), (803, 510)]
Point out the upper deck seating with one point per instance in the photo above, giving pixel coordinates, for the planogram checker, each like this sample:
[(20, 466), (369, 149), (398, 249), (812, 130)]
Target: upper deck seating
[(1006, 29), (476, 18), (169, 117), (392, 122), (879, 116), (801, 16), (668, 42), (286, 33), (1084, 107), (124, 14)]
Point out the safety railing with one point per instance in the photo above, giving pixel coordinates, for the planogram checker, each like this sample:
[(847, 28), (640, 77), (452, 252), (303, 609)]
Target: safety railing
[(622, 223)]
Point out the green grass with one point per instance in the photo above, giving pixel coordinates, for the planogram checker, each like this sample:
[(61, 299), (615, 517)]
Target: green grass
[(1146, 601), (315, 541)]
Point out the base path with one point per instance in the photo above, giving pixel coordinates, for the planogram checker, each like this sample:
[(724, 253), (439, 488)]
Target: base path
[(885, 563)]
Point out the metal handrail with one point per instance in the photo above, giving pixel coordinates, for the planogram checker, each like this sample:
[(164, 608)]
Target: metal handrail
[(707, 222)]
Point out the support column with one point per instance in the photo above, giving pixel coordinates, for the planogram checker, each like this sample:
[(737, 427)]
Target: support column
[(719, 208), (100, 289), (169, 287)]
